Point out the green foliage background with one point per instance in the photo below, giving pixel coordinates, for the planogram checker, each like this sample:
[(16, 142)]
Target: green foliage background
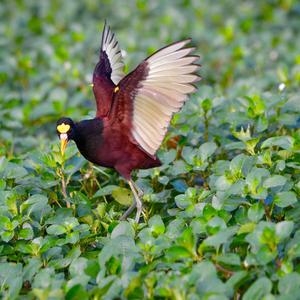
[(222, 215)]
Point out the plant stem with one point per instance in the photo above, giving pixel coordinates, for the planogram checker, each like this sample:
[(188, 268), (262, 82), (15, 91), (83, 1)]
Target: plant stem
[(205, 126), (64, 188)]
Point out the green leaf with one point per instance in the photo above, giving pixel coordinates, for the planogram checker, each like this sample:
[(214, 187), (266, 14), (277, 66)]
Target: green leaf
[(70, 222), (31, 268), (179, 167), (265, 255), (284, 199), (78, 266), (56, 229), (204, 278), (6, 236), (289, 284), (284, 142), (123, 228), (206, 150), (254, 181), (36, 204), (176, 253), (236, 279), (231, 259), (14, 171), (187, 240), (220, 238), (189, 154), (72, 237), (274, 181), (122, 196), (236, 165), (106, 190), (216, 224), (26, 233), (121, 245), (62, 263), (284, 229), (77, 292), (5, 223), (260, 288), (156, 225), (10, 278), (168, 156), (222, 183), (182, 201), (2, 184), (245, 228), (256, 212)]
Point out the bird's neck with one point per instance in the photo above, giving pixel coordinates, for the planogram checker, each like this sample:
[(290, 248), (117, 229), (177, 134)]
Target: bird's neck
[(88, 136)]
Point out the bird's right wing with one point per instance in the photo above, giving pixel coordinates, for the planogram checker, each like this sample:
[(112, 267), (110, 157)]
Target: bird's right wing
[(150, 95), (110, 62), (108, 71)]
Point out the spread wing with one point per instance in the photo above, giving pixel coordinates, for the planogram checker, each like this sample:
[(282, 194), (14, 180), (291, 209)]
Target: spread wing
[(154, 91), (108, 71), (110, 62)]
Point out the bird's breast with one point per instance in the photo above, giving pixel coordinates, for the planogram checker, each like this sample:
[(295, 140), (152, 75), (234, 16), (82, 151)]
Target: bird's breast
[(103, 149)]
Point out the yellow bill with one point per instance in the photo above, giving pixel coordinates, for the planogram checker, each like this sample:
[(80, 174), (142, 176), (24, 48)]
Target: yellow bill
[(63, 142)]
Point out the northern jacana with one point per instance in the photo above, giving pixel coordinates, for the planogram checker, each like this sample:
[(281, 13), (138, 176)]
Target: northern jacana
[(133, 110)]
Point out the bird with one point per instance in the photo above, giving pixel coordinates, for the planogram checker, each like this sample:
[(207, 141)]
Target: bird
[(133, 111)]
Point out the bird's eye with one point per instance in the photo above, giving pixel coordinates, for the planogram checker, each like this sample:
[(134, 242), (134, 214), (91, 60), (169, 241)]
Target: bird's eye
[(63, 128)]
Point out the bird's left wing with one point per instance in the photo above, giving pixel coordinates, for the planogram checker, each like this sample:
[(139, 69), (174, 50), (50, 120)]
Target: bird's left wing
[(149, 96)]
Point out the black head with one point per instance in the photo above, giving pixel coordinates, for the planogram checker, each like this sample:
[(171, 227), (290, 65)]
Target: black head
[(65, 129), (65, 126)]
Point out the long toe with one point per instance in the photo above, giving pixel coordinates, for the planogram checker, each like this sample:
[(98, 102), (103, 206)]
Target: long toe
[(139, 207), (128, 212), (138, 214)]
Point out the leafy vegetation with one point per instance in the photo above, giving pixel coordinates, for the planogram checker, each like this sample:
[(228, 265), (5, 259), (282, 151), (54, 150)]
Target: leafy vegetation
[(222, 215)]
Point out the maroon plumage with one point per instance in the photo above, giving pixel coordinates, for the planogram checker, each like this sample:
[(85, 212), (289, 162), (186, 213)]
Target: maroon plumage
[(133, 111)]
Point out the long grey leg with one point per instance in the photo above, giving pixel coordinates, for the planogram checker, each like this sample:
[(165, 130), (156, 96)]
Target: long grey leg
[(139, 191), (138, 201), (129, 211), (136, 204)]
